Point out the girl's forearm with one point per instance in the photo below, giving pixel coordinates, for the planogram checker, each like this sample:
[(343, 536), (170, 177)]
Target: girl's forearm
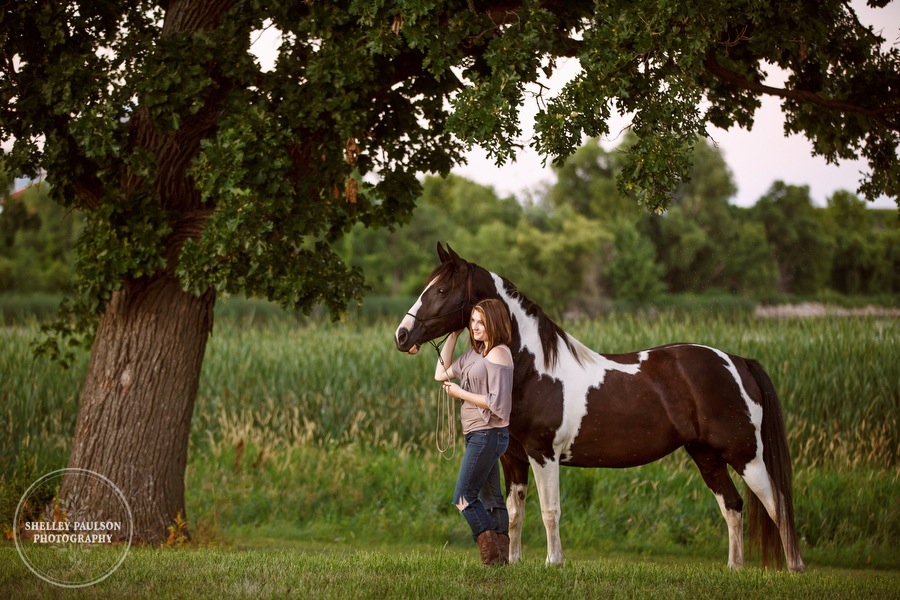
[(477, 399), (446, 358)]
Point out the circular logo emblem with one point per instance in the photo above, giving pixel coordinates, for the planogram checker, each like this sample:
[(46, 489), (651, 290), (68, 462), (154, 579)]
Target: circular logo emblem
[(64, 540)]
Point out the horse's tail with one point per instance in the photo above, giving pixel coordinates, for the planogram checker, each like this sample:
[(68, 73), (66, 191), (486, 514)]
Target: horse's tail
[(763, 533)]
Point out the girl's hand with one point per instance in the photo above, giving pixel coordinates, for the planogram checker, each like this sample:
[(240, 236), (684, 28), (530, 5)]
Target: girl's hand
[(452, 389)]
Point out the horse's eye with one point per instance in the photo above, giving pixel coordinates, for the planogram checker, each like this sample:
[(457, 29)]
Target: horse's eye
[(442, 290)]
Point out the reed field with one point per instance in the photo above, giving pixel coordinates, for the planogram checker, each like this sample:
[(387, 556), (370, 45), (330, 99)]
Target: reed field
[(309, 432)]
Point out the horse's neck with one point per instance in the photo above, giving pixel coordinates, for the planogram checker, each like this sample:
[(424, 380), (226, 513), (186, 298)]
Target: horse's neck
[(527, 330), (549, 349)]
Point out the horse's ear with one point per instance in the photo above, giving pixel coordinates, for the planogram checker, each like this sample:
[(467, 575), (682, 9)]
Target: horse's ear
[(454, 256), (449, 255), (442, 254)]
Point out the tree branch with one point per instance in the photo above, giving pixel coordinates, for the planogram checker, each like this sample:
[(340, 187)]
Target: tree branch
[(879, 114)]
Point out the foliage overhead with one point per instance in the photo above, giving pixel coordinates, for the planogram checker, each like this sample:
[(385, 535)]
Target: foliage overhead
[(190, 160)]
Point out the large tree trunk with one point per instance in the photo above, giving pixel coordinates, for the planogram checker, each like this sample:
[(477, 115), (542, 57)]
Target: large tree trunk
[(134, 420)]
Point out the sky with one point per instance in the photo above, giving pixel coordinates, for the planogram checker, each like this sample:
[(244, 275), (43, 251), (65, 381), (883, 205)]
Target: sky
[(757, 158)]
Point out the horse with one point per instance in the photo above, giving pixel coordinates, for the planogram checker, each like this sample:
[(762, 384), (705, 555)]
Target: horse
[(576, 407)]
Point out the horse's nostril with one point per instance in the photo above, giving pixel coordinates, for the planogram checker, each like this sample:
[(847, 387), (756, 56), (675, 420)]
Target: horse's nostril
[(402, 335)]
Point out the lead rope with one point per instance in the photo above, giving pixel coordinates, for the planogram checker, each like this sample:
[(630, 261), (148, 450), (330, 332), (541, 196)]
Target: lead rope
[(444, 430)]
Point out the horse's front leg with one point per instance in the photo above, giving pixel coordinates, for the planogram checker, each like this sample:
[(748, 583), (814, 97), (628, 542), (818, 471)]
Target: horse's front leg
[(515, 474), (546, 477)]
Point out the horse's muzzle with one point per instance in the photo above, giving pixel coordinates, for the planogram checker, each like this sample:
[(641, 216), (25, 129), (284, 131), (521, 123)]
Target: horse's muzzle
[(401, 338)]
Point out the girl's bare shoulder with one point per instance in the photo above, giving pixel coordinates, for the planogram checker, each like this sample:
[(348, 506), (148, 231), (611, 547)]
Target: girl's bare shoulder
[(500, 355)]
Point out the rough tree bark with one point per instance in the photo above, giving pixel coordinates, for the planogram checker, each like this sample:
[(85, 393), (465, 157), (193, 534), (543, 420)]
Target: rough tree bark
[(135, 415)]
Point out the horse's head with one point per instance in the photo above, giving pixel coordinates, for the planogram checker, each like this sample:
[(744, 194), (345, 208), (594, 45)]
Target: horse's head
[(443, 306)]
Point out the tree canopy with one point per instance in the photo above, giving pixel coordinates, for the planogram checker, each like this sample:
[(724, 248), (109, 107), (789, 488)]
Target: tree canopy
[(155, 119)]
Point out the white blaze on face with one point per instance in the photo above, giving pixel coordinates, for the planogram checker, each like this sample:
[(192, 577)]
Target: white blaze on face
[(410, 319)]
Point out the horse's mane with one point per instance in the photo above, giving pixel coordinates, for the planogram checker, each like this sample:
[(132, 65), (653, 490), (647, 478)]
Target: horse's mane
[(548, 330)]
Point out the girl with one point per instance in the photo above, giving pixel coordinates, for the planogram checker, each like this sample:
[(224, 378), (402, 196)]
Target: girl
[(485, 372)]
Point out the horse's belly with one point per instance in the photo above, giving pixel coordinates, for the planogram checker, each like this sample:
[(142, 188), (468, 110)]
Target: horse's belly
[(619, 449), (626, 430)]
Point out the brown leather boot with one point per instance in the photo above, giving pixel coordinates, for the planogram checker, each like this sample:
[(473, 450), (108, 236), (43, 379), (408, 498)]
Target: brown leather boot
[(503, 543), (489, 548)]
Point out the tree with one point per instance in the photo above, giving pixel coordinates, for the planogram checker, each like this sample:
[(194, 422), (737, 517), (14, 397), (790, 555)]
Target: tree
[(659, 60), (451, 209), (751, 266), (855, 255), (396, 262), (200, 173), (801, 248), (586, 182), (633, 272), (703, 241), (861, 261), (36, 239), (564, 258), (694, 235), (468, 203)]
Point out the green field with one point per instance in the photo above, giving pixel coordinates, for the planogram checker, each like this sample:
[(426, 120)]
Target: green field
[(314, 445)]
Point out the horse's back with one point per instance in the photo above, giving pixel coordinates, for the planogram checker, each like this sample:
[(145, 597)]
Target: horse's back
[(677, 394)]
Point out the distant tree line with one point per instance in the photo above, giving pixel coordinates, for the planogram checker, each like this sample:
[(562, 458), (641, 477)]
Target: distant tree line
[(581, 243), (575, 246), (37, 236)]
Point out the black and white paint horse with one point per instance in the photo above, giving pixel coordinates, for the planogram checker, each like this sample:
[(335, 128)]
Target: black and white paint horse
[(575, 407)]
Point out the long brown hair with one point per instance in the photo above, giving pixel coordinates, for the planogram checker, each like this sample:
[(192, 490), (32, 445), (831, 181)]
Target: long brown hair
[(497, 326)]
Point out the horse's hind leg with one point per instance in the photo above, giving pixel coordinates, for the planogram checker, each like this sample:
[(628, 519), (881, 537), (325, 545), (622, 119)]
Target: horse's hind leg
[(759, 481), (714, 470), (515, 474)]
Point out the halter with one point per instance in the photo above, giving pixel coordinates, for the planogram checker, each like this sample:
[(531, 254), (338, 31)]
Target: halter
[(459, 308)]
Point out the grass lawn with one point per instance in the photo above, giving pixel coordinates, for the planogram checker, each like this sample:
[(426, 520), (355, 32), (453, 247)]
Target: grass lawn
[(342, 571)]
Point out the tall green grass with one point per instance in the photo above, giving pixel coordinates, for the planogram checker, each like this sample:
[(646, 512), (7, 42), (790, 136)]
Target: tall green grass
[(320, 431), (837, 379)]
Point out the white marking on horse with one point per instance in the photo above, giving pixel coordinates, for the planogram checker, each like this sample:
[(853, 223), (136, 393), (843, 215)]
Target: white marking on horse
[(410, 318), (515, 506), (734, 520), (546, 478), (755, 472), (575, 378)]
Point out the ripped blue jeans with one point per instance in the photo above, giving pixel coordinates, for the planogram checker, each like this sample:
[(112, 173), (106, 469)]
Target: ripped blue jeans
[(478, 496)]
